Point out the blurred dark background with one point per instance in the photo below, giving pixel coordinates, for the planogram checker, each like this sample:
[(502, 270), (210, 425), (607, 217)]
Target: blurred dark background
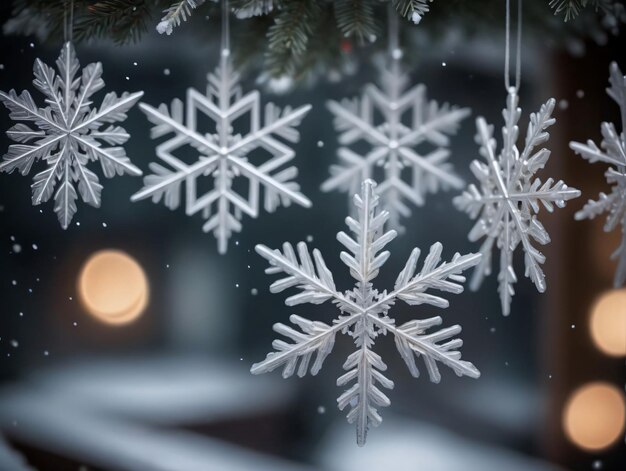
[(172, 390)]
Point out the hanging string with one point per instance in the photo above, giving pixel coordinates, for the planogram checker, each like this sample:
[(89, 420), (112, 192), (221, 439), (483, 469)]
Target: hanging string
[(518, 49), (225, 42), (393, 37), (68, 21)]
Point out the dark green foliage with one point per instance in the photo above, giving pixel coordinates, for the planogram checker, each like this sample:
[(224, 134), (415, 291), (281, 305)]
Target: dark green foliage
[(290, 34), (116, 19), (355, 18), (297, 37), (409, 8)]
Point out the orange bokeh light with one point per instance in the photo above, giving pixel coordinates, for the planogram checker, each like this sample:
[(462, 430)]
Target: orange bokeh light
[(113, 287), (608, 323), (593, 418)]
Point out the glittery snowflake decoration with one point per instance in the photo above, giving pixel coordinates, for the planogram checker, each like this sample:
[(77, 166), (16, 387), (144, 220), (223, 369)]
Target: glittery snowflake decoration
[(69, 134), (392, 123), (224, 157), (613, 152), (509, 196), (364, 312)]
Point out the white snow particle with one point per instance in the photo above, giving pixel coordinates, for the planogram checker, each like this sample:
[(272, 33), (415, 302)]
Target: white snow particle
[(364, 312)]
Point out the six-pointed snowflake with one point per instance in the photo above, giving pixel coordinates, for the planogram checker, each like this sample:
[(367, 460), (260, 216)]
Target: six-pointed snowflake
[(68, 135), (223, 155), (612, 152), (364, 312), (409, 120), (508, 199)]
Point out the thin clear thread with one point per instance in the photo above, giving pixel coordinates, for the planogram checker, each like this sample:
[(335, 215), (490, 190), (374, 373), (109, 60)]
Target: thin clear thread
[(393, 38), (225, 29), (518, 49), (68, 21)]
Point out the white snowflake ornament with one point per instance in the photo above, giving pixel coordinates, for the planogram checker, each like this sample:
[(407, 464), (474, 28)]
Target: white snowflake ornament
[(394, 124), (612, 151), (70, 133), (507, 199), (223, 156), (364, 312)]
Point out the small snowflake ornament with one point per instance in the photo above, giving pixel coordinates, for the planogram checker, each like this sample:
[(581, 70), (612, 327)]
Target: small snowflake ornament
[(69, 133), (236, 165), (612, 151), (508, 198), (363, 312), (395, 124)]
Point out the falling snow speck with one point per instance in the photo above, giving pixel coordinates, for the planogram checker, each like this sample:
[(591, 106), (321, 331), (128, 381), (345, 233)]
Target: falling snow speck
[(15, 343), (321, 410), (14, 282), (35, 247), (320, 143), (104, 224), (563, 104), (254, 291), (17, 248), (597, 464), (309, 238), (166, 71), (580, 94), (46, 353)]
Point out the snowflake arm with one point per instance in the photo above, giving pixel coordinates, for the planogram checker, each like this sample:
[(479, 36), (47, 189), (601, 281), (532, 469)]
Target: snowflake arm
[(612, 151), (223, 156), (364, 312), (508, 197), (69, 134)]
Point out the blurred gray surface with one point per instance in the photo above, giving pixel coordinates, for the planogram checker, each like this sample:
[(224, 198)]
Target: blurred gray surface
[(414, 446)]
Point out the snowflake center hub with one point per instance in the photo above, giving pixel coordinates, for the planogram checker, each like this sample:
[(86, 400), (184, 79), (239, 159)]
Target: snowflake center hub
[(393, 144)]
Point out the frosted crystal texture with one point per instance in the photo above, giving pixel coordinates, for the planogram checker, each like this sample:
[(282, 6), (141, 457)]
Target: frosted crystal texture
[(507, 199), (222, 155), (410, 122), (69, 133), (612, 151), (364, 312)]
